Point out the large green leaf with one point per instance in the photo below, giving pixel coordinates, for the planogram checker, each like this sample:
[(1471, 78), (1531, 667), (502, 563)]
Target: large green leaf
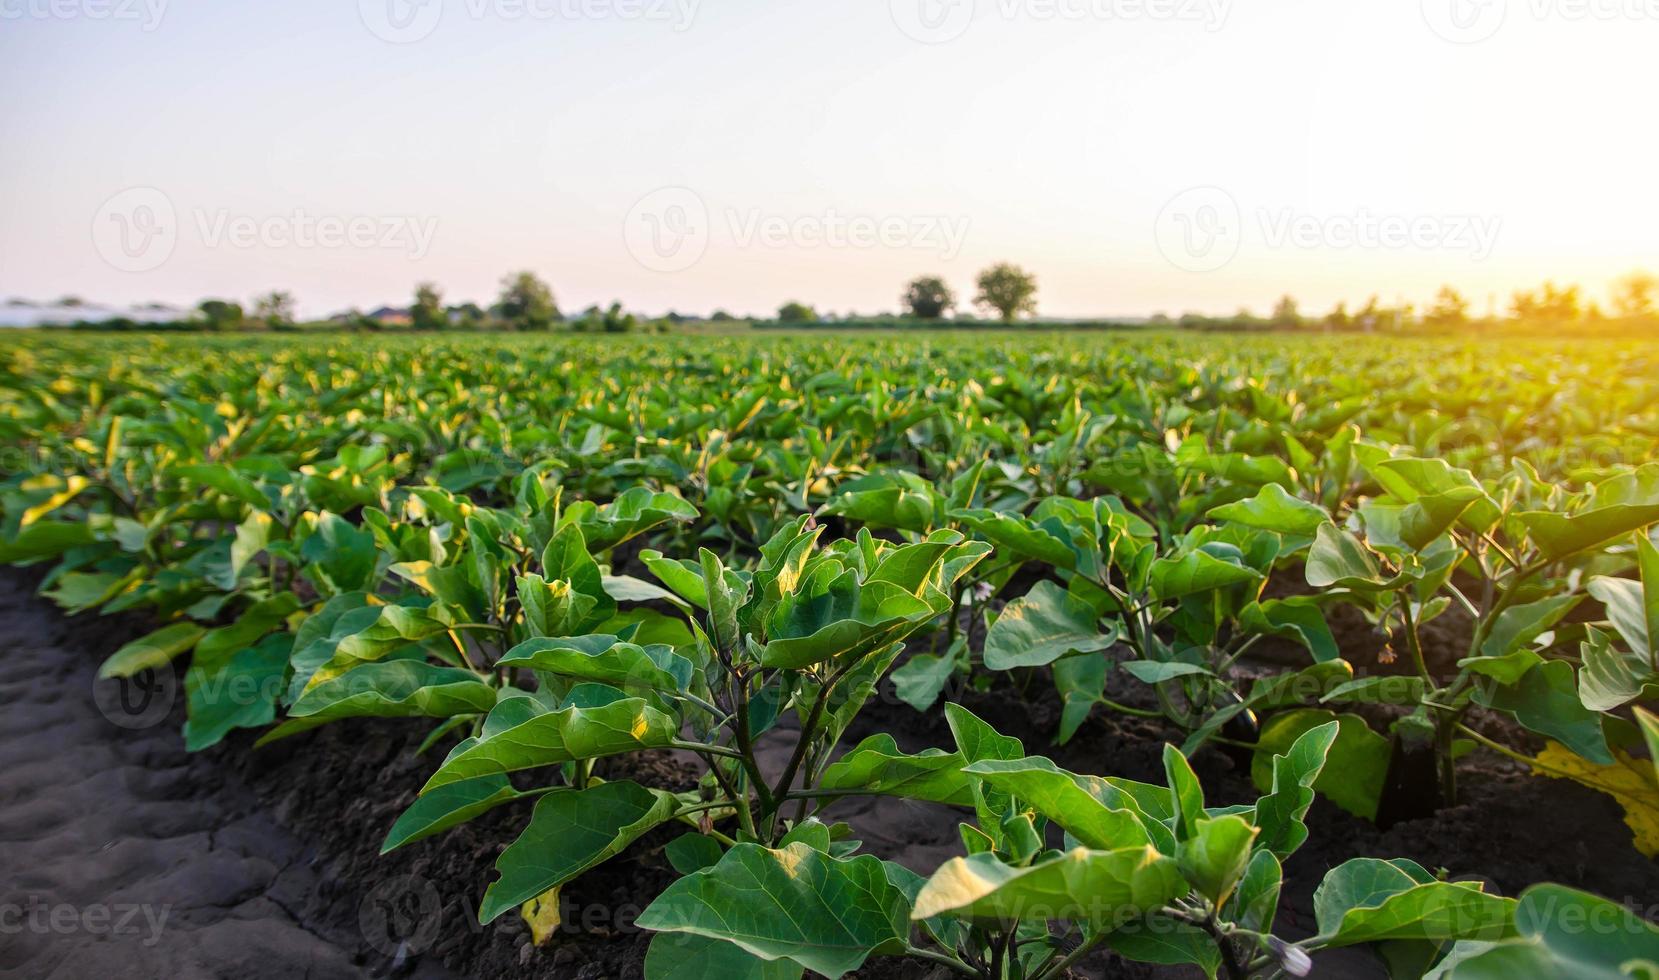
[(1077, 803), (1518, 626), (1041, 627), (1214, 858), (1281, 811), (1274, 509), (826, 914), (1300, 618), (603, 660), (806, 630), (449, 806), (877, 766), (151, 651), (1338, 559), (516, 742), (1197, 572), (396, 689), (238, 691), (1102, 888), (570, 832), (687, 956), (1356, 765), (1546, 701), (1561, 933), (365, 635), (1371, 900)]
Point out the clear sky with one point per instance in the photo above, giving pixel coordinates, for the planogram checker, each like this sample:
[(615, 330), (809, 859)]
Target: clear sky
[(1137, 155)]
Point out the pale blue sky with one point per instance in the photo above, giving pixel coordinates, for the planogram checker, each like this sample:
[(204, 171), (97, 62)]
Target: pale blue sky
[(1064, 135)]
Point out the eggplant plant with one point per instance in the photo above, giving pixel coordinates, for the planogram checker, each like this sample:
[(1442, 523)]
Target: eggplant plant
[(1516, 556), (809, 631)]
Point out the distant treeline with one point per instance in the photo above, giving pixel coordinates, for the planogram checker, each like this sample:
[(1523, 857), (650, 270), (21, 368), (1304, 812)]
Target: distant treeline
[(1006, 293)]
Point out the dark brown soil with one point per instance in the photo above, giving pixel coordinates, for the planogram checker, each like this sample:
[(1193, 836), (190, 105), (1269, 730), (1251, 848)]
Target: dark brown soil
[(314, 810)]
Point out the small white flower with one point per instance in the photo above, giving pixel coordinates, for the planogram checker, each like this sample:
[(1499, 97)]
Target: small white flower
[(1292, 958)]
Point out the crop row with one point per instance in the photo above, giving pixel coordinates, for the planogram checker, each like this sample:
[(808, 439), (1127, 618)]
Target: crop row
[(562, 553)]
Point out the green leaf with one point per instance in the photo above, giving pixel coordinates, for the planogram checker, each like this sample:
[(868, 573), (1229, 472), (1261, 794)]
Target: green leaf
[(978, 741), (685, 579), (1432, 515), (685, 956), (922, 678), (152, 651), (1560, 535), (692, 852), (807, 630), (1077, 803), (1633, 607), (365, 635), (261, 618), (448, 807), (395, 689), (1370, 900), (1338, 559), (603, 660), (1280, 813), (1299, 618), (1355, 764), (221, 477), (1019, 535), (570, 832), (1080, 681), (1214, 858), (1560, 933), (1102, 888), (1546, 701), (1197, 572), (1609, 678), (238, 691), (515, 742), (1041, 627), (1256, 903), (45, 539), (1518, 626), (826, 914), (1158, 672), (877, 766), (1413, 480), (1274, 509), (1186, 794), (1166, 942)]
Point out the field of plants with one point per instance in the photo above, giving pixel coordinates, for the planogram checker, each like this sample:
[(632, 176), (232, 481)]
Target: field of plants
[(1009, 656)]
